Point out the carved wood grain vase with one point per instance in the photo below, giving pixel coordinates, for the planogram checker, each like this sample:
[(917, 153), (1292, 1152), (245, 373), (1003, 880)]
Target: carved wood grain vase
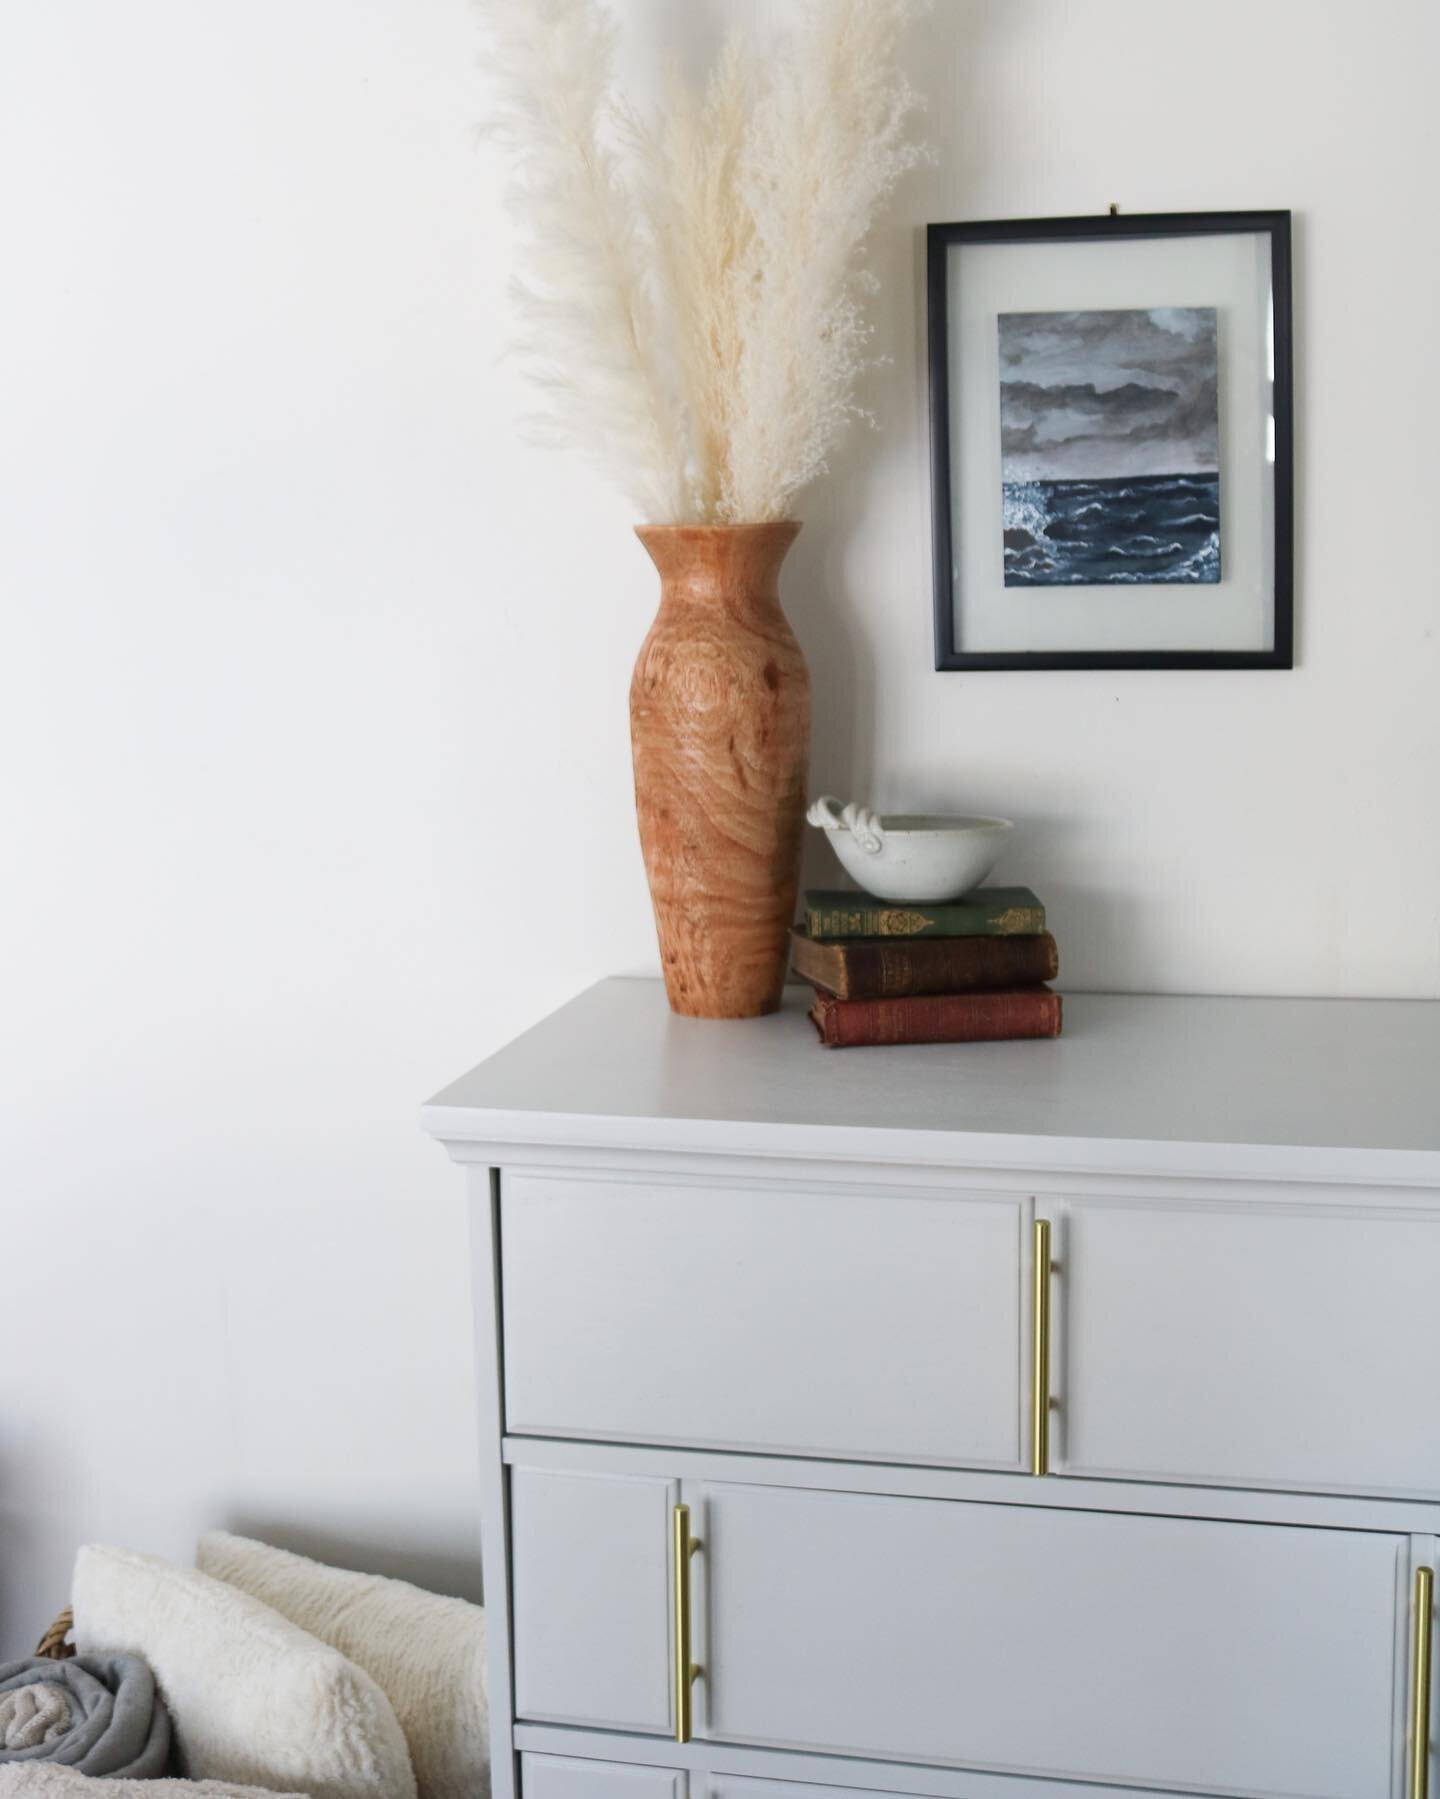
[(720, 729)]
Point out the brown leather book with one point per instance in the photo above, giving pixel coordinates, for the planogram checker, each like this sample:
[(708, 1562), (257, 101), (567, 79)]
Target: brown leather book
[(992, 1017), (883, 968)]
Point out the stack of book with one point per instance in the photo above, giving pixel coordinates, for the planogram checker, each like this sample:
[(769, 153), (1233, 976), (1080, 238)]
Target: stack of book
[(970, 971)]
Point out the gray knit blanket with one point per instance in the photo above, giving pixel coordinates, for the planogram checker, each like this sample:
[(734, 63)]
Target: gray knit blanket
[(98, 1714)]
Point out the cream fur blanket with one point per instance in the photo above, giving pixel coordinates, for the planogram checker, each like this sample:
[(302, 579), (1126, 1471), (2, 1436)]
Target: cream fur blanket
[(426, 1653), (253, 1699), (43, 1780)]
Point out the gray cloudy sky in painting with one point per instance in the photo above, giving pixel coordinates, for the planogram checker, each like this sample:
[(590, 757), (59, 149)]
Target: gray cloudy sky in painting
[(1084, 395)]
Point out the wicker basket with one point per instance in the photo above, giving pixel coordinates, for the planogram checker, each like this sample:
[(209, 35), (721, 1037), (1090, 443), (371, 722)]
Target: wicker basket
[(53, 1646)]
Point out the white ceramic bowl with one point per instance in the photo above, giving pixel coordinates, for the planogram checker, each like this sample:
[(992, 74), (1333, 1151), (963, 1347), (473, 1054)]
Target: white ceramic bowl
[(911, 857)]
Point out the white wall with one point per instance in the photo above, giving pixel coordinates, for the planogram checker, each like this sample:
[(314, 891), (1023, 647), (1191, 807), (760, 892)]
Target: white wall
[(301, 656)]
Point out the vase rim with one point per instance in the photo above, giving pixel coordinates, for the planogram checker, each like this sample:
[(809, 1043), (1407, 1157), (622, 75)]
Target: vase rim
[(791, 525)]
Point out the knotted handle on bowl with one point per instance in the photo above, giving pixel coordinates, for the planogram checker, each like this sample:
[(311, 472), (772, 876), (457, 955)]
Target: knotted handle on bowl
[(862, 824)]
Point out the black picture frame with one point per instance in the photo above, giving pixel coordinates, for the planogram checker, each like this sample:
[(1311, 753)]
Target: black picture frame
[(940, 238)]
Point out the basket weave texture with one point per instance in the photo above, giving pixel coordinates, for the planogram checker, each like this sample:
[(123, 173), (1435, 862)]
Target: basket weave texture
[(53, 1646)]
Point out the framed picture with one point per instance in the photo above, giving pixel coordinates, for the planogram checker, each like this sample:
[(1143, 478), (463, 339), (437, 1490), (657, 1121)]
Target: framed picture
[(1111, 442)]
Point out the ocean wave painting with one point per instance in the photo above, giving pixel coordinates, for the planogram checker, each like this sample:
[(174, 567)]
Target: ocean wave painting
[(1110, 447)]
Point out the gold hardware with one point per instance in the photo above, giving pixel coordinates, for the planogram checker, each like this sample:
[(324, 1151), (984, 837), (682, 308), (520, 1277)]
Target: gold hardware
[(1040, 1351), (683, 1546), (1421, 1619)]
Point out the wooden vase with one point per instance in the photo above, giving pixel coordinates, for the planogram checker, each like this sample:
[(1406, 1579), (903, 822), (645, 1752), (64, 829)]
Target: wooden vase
[(720, 728)]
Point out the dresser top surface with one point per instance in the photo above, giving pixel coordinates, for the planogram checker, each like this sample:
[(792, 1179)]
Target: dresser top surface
[(1297, 1087)]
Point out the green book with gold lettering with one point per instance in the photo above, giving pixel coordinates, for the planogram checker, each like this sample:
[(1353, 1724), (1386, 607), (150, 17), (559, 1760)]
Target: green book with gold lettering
[(987, 912)]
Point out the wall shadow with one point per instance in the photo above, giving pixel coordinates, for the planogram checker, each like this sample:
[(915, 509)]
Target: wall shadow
[(391, 1555), (41, 1523)]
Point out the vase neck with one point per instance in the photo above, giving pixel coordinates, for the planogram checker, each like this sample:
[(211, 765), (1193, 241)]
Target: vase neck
[(736, 567)]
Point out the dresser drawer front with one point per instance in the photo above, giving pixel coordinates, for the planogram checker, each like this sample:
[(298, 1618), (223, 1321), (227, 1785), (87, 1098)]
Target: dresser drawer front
[(918, 1784), (746, 1786), (591, 1598), (881, 1326), (1291, 1346), (587, 1776), (574, 1777), (1169, 1653), (1166, 1652)]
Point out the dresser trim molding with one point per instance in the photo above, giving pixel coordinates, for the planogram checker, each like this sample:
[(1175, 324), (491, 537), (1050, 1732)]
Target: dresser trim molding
[(1056, 1492)]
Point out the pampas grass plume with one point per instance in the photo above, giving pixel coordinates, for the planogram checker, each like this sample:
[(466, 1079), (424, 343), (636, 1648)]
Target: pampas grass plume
[(690, 305)]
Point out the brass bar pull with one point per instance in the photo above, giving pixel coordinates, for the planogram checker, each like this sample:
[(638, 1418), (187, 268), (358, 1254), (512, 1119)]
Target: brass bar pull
[(1422, 1612), (683, 1546), (1040, 1351)]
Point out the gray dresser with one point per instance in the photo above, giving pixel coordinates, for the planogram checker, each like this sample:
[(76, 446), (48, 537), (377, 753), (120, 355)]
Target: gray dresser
[(998, 1421)]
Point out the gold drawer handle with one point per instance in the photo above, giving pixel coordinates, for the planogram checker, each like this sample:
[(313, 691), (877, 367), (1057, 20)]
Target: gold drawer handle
[(1422, 1611), (683, 1546), (1040, 1351)]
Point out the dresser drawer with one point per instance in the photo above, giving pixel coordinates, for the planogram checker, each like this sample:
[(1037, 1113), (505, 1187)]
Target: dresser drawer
[(918, 1784), (1284, 1346), (882, 1326), (588, 1777), (592, 1599), (575, 1777), (1172, 1653)]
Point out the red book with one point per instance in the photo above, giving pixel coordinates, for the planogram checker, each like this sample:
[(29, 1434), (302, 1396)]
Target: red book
[(996, 1016)]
